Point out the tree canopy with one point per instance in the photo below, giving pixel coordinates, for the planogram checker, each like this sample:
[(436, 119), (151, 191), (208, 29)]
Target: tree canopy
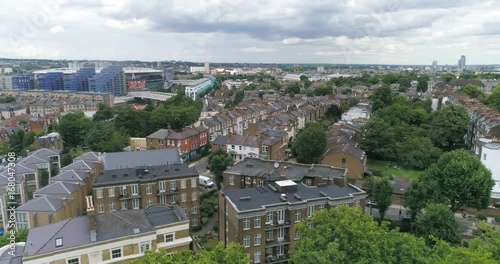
[(449, 126), (218, 161), (438, 221), (310, 144), (472, 91), (380, 191), (381, 98)]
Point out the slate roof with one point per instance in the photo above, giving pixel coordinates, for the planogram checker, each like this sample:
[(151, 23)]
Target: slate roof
[(74, 232), (7, 258), (42, 204), (220, 140), (276, 133), (79, 165), (140, 158), (158, 216), (143, 174), (270, 141), (121, 223), (89, 156), (264, 196), (464, 82), (348, 149), (70, 175), (58, 188), (251, 141), (294, 171)]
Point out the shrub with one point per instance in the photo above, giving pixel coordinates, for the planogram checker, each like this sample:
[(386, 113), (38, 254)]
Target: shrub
[(216, 226), (195, 228), (482, 217), (210, 212), (497, 219), (204, 220), (204, 215), (216, 208), (497, 205)]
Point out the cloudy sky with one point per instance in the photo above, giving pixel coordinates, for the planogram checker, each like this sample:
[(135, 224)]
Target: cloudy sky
[(281, 31)]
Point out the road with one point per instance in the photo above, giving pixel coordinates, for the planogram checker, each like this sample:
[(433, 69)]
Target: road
[(201, 167)]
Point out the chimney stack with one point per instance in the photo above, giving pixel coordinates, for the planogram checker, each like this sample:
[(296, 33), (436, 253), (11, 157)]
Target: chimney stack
[(91, 214), (283, 171)]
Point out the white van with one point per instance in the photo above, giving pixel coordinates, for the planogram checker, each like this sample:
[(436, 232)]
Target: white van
[(206, 181)]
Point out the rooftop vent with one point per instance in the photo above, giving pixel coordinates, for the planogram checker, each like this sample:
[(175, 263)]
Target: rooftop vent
[(272, 188), (166, 170), (283, 197), (176, 169), (323, 194), (297, 197), (137, 230), (246, 198)]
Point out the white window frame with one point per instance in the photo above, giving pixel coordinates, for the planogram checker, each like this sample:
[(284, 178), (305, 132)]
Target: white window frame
[(183, 197), (169, 234), (269, 218), (111, 253), (173, 199), (73, 258), (123, 190), (280, 250), (281, 216), (246, 241), (297, 235), (194, 209), (194, 196), (163, 199), (281, 234), (149, 202), (149, 189), (123, 208), (257, 240), (310, 211), (246, 223), (148, 243), (100, 208), (321, 207), (173, 185), (111, 192), (135, 189), (256, 222), (231, 179), (163, 186), (183, 184), (193, 182), (98, 193), (112, 206), (256, 257), (135, 203)]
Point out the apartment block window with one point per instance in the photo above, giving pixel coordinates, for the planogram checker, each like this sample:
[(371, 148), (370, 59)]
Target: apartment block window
[(124, 205), (194, 196), (173, 185), (269, 218), (116, 253), (169, 237), (484, 156), (98, 193), (112, 206), (111, 192), (161, 141), (256, 222), (194, 221), (257, 239), (269, 252), (145, 246), (264, 148), (194, 209), (135, 189), (232, 147), (184, 209), (183, 184), (149, 189), (281, 234), (163, 199), (246, 241), (246, 223), (162, 186), (123, 191), (321, 207), (256, 257), (135, 203), (73, 261), (183, 197), (298, 215), (240, 147), (281, 250), (149, 202), (193, 183), (231, 180), (269, 235), (21, 221), (310, 210), (297, 235), (173, 199), (281, 215), (100, 207)]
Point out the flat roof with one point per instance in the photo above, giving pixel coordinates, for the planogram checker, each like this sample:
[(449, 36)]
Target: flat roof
[(285, 183), (263, 196)]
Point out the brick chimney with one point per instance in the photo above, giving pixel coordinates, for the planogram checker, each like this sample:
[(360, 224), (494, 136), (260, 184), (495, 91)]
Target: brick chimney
[(91, 213), (283, 171)]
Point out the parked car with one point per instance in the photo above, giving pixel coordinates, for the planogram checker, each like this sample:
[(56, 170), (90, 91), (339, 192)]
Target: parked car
[(371, 204)]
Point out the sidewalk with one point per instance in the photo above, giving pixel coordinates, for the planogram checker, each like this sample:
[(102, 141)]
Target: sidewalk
[(208, 227)]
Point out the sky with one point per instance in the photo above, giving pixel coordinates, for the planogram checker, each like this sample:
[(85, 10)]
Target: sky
[(253, 31)]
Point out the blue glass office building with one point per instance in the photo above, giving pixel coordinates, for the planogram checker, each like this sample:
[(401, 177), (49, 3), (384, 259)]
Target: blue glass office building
[(52, 81), (109, 80), (23, 82), (79, 81)]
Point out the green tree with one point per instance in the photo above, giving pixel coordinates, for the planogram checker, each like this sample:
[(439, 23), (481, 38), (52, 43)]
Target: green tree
[(447, 77), (418, 153), (158, 118), (423, 83), (438, 221), (493, 99), (218, 161), (390, 78), (379, 139), (305, 81), (457, 179), (292, 88), (467, 75), (73, 128), (472, 91), (380, 191), (310, 144), (134, 123), (28, 139), (382, 97), (104, 137), (16, 142), (449, 126), (104, 113), (20, 236)]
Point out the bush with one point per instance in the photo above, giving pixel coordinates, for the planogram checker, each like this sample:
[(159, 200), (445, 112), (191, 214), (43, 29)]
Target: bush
[(482, 217), (204, 220), (216, 208), (216, 226), (497, 219), (210, 212), (497, 205), (204, 215), (195, 228)]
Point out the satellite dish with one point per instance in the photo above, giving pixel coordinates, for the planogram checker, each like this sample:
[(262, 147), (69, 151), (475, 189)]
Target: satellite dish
[(276, 165)]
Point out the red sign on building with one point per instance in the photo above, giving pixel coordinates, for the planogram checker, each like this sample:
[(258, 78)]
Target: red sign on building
[(136, 85)]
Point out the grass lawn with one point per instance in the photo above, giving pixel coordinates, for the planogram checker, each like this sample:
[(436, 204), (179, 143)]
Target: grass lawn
[(210, 244), (399, 172)]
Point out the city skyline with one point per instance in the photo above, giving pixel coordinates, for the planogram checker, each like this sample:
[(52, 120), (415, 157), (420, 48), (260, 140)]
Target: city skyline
[(345, 32)]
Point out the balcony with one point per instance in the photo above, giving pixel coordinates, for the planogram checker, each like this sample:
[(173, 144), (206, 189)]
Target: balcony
[(277, 241), (277, 259), (277, 224)]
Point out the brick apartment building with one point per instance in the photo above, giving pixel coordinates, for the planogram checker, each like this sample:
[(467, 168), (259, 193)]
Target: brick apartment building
[(188, 141), (143, 186), (243, 146), (264, 218)]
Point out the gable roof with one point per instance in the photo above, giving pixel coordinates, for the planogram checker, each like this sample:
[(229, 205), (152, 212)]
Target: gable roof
[(62, 188), (70, 175), (42, 204), (79, 165), (348, 149), (117, 160), (220, 140), (89, 156)]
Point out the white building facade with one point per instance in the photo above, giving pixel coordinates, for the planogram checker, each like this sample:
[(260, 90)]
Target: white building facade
[(490, 157)]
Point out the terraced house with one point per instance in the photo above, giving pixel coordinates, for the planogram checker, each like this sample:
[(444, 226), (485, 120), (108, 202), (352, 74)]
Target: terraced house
[(189, 141), (140, 187)]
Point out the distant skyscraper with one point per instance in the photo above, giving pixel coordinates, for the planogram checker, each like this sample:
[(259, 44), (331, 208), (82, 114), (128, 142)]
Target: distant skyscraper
[(461, 62), (110, 80), (23, 82), (79, 81), (207, 68), (52, 81), (434, 65)]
